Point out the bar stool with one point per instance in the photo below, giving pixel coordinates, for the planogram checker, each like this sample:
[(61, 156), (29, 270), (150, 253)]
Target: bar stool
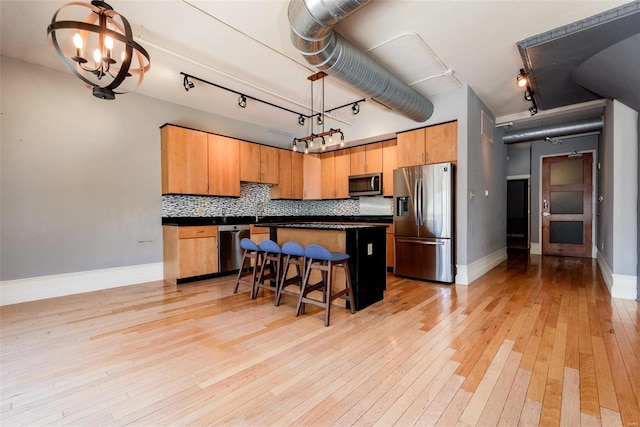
[(319, 258), (251, 252), (271, 257), (294, 256)]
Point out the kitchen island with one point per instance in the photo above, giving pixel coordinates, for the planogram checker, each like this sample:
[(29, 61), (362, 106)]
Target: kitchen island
[(365, 244)]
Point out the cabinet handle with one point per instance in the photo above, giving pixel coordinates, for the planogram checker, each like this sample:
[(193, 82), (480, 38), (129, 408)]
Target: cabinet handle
[(199, 231)]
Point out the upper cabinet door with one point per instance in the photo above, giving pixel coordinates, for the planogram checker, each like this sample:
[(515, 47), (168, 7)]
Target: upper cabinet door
[(390, 162), (411, 148), (374, 158), (442, 142), (269, 169), (327, 176), (358, 160), (342, 165), (297, 175), (249, 162), (184, 161), (312, 172), (224, 174)]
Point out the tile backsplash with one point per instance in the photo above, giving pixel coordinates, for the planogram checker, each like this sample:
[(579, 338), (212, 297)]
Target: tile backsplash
[(254, 198)]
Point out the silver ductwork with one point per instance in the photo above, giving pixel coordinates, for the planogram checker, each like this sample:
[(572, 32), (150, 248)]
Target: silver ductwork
[(552, 131), (313, 36)]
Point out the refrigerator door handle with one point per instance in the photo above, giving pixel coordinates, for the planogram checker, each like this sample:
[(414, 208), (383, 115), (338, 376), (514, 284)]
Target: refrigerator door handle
[(415, 202), (421, 242), (420, 221)]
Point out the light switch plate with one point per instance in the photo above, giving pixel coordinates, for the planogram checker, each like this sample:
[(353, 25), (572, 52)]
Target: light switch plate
[(370, 249)]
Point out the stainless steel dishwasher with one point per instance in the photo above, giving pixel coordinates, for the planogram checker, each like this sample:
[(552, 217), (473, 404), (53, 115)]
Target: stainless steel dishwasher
[(229, 250)]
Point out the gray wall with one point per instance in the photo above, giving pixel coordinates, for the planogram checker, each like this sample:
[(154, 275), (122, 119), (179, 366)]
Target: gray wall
[(486, 170), (543, 148), (519, 159)]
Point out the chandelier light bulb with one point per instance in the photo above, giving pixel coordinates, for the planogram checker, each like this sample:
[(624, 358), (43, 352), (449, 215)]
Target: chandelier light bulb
[(108, 42), (295, 148), (96, 56), (311, 143), (306, 150), (77, 41)]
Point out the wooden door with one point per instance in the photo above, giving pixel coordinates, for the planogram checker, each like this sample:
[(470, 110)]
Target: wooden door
[(389, 163), (224, 172), (283, 189), (312, 177), (269, 171), (184, 161), (358, 157), (297, 175), (342, 171), (249, 162), (373, 158), (411, 148), (327, 176), (566, 205), (441, 142)]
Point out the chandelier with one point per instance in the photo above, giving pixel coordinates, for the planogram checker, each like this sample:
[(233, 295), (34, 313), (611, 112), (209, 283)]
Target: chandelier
[(309, 140), (115, 58)]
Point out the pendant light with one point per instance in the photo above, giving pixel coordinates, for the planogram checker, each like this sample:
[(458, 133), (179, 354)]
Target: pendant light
[(99, 49)]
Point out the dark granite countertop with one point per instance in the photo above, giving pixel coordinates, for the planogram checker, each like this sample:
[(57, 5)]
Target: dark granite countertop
[(323, 226), (232, 220)]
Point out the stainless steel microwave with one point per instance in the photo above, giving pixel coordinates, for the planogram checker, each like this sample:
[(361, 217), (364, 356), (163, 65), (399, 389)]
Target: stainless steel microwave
[(365, 185)]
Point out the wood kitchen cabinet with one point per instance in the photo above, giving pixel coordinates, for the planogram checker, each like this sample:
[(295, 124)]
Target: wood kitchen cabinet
[(224, 176), (291, 177), (366, 159), (312, 172), (195, 162), (433, 144), (189, 252), (389, 163), (335, 168), (184, 161), (258, 163)]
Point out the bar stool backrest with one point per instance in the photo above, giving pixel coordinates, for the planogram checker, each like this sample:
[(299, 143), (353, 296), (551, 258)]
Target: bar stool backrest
[(248, 244)]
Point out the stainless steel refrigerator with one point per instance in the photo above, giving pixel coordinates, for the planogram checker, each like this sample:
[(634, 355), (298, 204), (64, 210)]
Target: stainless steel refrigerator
[(423, 222)]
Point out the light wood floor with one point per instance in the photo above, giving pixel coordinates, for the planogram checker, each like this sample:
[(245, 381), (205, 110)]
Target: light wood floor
[(535, 341)]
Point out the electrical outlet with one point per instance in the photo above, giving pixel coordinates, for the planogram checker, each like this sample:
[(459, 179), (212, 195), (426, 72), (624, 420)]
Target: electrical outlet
[(370, 249), (199, 210)]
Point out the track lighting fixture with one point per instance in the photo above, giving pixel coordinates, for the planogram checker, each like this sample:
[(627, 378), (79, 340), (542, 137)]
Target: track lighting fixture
[(355, 108), (301, 120), (533, 110), (99, 49), (528, 94), (188, 84), (521, 78), (320, 119), (242, 101)]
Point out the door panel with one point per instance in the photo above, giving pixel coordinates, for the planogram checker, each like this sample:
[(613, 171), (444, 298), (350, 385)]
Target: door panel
[(566, 205)]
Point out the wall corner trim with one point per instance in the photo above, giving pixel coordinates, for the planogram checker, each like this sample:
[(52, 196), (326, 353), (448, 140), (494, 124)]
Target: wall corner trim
[(466, 274), (43, 287), (620, 285)]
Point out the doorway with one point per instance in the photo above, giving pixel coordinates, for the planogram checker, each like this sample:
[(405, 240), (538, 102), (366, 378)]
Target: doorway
[(518, 214), (567, 191)]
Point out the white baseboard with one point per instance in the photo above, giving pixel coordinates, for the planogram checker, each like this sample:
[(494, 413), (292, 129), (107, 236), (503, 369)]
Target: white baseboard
[(37, 288), (535, 248), (465, 274), (620, 285)]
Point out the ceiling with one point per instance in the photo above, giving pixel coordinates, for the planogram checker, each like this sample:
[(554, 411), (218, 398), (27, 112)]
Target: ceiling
[(245, 46)]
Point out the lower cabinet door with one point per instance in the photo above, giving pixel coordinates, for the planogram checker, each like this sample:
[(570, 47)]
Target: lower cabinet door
[(198, 256)]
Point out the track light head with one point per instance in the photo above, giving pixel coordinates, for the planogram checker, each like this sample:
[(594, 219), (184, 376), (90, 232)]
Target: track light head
[(355, 108), (301, 120), (533, 109), (528, 94), (242, 101), (188, 84), (320, 119), (521, 78)]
